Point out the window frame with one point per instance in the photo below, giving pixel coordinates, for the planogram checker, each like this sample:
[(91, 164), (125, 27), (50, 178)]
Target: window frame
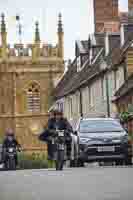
[(33, 98)]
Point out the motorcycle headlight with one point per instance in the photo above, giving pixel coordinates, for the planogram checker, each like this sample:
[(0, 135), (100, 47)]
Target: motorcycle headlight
[(10, 150)]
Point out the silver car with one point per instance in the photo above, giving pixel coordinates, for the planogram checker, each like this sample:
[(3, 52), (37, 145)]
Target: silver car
[(102, 139)]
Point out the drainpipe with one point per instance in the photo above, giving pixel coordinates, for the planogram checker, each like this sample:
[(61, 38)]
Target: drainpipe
[(81, 104), (125, 70), (107, 96)]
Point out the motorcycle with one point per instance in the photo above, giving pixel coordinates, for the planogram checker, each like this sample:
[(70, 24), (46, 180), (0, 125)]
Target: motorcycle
[(58, 138), (60, 154), (10, 161)]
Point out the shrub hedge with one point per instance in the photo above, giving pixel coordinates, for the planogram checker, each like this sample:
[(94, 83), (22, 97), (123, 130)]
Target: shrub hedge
[(33, 161)]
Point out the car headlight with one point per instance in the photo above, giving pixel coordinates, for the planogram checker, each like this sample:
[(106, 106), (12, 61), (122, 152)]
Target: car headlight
[(85, 140), (116, 140), (123, 139)]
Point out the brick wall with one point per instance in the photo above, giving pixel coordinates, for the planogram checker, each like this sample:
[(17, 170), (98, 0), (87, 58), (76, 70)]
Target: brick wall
[(105, 10), (130, 4)]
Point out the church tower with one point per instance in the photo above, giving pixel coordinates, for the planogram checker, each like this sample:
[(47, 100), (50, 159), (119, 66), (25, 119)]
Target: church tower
[(106, 15), (28, 74)]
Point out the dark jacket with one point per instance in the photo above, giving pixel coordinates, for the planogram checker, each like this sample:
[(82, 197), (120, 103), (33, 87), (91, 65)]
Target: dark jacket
[(46, 133), (61, 124), (7, 143)]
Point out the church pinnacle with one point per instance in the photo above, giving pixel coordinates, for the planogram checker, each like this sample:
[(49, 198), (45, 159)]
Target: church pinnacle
[(37, 32), (60, 37), (3, 37), (3, 25), (60, 28)]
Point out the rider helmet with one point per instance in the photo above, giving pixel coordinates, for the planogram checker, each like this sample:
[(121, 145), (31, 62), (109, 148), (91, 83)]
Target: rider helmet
[(9, 132)]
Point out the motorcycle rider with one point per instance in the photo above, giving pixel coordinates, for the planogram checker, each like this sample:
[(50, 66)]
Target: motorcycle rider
[(56, 119), (63, 124), (9, 142)]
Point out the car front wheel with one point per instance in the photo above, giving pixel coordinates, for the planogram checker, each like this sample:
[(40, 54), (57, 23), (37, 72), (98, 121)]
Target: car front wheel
[(119, 162), (80, 163), (128, 161)]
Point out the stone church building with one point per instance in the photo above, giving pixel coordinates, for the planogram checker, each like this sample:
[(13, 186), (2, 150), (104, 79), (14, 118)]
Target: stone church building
[(28, 75)]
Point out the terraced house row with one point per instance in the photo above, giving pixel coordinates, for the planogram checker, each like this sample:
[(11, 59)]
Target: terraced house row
[(100, 68), (99, 80)]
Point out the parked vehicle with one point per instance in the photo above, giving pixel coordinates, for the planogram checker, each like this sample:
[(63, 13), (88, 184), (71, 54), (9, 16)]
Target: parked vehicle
[(1, 164), (103, 139)]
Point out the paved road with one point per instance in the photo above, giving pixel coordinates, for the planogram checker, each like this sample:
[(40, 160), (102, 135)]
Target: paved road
[(91, 183)]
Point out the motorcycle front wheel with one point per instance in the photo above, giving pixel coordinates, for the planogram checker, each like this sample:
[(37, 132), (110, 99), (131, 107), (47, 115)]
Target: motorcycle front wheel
[(60, 160), (11, 164)]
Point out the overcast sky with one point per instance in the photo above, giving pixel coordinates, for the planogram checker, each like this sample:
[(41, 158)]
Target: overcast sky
[(77, 19)]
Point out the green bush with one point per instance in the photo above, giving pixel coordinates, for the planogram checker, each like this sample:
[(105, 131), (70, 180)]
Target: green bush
[(1, 140), (33, 161), (124, 116)]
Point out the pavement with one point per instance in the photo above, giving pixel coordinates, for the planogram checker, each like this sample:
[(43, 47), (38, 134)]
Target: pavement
[(90, 183)]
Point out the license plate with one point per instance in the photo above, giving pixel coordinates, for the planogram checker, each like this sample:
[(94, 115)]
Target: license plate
[(61, 147), (61, 134), (106, 149)]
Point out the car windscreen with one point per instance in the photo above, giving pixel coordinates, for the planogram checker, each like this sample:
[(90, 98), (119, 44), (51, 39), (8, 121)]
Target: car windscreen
[(99, 126)]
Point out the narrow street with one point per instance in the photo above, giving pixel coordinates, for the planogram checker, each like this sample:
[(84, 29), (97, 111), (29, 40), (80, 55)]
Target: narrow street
[(93, 183), (66, 94)]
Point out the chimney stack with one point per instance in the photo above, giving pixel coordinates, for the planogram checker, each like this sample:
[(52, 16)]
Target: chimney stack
[(105, 12), (130, 8)]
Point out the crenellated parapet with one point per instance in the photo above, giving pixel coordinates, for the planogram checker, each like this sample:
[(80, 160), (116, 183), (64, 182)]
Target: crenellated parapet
[(21, 50), (34, 51)]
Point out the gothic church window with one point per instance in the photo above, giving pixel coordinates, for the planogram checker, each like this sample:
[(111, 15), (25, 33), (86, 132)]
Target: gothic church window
[(33, 98)]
